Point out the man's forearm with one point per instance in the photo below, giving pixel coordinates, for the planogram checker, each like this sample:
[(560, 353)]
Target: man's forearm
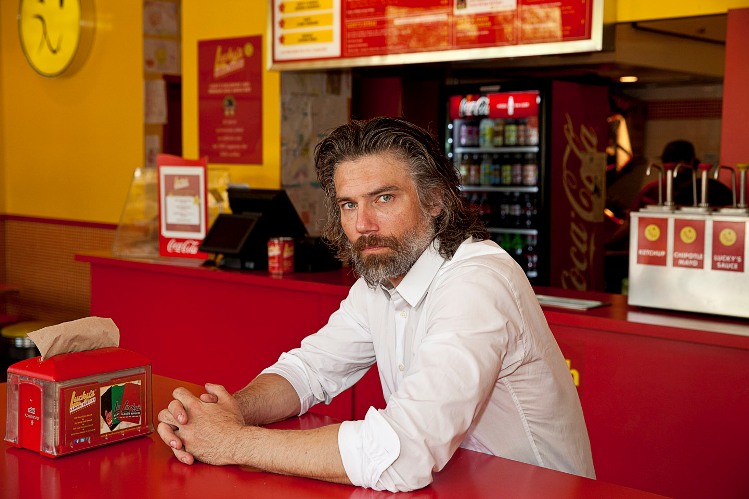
[(267, 399), (307, 453)]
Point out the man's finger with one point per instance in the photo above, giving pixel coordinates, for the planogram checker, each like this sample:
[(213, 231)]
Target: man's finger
[(182, 399), (166, 416), (209, 398), (166, 432), (217, 391)]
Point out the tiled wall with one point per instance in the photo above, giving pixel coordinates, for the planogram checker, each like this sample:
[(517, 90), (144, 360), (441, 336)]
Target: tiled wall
[(39, 259)]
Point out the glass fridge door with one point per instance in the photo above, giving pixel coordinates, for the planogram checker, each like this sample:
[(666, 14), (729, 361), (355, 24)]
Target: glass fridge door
[(493, 140)]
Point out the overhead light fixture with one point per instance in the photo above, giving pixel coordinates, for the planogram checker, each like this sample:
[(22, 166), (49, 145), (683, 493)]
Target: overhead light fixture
[(627, 79)]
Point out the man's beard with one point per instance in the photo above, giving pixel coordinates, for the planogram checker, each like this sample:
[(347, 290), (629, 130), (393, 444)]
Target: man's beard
[(377, 268)]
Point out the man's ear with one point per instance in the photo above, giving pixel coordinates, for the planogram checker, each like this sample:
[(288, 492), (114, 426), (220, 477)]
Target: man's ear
[(438, 202)]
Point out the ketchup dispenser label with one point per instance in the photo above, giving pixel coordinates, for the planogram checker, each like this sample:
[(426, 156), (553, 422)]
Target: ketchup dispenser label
[(651, 241), (689, 244), (728, 246)]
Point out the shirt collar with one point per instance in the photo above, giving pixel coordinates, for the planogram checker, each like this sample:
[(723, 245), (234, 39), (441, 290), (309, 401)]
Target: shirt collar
[(414, 285)]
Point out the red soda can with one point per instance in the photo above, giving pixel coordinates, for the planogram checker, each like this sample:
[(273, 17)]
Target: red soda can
[(280, 255)]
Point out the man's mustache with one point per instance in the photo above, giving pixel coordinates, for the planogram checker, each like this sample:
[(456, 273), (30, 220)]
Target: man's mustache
[(365, 242)]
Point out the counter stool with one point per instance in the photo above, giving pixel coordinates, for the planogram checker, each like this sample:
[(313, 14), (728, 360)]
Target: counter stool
[(16, 345)]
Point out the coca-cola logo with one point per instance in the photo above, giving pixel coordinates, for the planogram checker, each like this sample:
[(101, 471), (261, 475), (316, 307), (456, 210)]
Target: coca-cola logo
[(186, 247), (478, 107), (580, 190)]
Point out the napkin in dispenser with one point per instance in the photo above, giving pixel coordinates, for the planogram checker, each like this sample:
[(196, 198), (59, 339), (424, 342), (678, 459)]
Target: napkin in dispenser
[(82, 392)]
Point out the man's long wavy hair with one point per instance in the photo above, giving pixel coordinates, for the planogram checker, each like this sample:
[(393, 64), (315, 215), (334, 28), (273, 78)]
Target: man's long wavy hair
[(437, 181)]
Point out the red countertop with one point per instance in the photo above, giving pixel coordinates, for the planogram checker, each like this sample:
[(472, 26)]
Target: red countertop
[(145, 467)]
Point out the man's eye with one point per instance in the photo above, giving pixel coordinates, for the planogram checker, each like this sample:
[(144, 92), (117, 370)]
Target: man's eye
[(348, 206), (386, 198)]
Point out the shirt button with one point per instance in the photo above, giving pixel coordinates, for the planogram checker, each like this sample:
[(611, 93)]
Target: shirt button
[(401, 367), (404, 314)]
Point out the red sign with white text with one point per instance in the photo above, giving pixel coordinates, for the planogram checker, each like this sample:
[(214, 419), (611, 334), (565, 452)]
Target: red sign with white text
[(729, 250), (230, 100), (689, 244), (652, 241)]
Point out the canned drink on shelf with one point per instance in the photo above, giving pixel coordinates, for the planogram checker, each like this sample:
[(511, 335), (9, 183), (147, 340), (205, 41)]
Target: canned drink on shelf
[(280, 255), (530, 171)]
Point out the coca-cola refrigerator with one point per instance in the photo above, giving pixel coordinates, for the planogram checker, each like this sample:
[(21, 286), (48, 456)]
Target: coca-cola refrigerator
[(531, 159)]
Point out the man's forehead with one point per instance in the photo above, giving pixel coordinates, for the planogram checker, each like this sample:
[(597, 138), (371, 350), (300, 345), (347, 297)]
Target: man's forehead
[(382, 168)]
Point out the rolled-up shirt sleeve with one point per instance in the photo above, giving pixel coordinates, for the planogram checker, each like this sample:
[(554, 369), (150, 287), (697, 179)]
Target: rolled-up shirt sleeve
[(368, 448)]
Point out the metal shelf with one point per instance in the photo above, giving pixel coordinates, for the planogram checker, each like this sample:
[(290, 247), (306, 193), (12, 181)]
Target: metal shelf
[(510, 230), (499, 188), (496, 150)]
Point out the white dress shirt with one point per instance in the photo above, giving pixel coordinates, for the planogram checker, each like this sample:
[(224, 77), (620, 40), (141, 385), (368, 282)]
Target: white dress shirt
[(465, 358)]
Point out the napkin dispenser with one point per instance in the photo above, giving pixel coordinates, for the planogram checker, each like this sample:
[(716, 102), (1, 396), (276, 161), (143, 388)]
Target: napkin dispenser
[(80, 400)]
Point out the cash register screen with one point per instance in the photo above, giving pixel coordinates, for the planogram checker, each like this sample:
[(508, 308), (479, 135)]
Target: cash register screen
[(279, 218), (228, 234)]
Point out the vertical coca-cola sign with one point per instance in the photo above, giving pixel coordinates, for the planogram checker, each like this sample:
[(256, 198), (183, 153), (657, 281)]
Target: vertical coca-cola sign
[(183, 206), (578, 138)]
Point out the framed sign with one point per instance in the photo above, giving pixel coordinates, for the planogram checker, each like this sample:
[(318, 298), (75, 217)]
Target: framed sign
[(341, 33), (183, 206)]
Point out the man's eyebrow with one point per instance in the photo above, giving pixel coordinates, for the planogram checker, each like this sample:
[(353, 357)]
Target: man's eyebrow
[(376, 192)]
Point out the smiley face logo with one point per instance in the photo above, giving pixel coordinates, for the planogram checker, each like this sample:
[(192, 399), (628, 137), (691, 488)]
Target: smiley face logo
[(688, 234), (51, 33), (727, 237), (652, 232)]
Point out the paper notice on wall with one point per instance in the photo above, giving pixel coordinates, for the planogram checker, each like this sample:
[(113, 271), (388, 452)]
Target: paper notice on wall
[(155, 112), (160, 18), (161, 56)]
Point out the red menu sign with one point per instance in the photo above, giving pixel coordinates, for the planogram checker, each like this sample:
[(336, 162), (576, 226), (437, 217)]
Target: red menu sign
[(356, 32), (652, 241), (230, 100), (729, 246), (689, 243)]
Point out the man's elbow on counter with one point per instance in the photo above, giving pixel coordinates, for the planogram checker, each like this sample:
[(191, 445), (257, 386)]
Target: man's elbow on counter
[(392, 481)]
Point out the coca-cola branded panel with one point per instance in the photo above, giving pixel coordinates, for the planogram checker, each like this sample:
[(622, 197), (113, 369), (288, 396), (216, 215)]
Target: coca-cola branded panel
[(494, 141), (577, 163), (183, 206)]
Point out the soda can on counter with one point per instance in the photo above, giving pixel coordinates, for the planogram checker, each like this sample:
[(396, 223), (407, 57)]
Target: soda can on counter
[(280, 255)]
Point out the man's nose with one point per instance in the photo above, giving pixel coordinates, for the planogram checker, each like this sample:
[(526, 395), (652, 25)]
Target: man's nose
[(365, 220)]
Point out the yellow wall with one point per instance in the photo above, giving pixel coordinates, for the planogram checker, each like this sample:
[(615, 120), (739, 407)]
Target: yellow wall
[(69, 144), (203, 20), (640, 10)]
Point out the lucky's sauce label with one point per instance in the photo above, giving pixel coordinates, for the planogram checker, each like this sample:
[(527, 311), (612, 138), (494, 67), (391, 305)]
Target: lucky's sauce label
[(689, 244), (729, 246), (652, 241)]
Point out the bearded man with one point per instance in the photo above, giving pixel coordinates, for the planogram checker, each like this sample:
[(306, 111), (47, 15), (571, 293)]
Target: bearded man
[(463, 350)]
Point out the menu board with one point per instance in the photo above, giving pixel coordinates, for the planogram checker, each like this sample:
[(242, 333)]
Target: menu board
[(344, 33)]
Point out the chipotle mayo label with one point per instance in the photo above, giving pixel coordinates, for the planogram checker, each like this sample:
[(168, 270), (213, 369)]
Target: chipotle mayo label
[(689, 244), (651, 241), (729, 246)]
